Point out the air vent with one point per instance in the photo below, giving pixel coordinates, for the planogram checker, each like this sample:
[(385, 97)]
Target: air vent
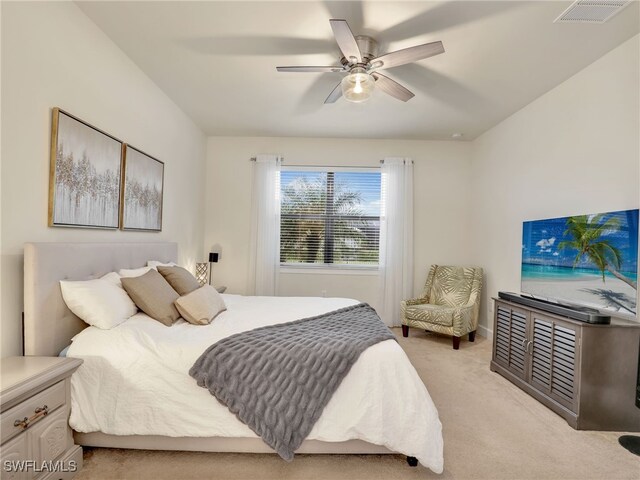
[(591, 11)]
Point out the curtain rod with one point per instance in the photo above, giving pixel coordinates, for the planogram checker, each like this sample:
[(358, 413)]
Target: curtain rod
[(253, 159), (328, 166), (410, 160)]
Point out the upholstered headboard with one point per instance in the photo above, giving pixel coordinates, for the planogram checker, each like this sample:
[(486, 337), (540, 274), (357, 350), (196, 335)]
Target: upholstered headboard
[(48, 324)]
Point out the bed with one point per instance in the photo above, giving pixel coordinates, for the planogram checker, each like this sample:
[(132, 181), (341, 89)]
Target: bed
[(382, 406)]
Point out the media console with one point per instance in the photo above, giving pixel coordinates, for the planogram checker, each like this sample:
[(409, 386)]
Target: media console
[(585, 372), (582, 314)]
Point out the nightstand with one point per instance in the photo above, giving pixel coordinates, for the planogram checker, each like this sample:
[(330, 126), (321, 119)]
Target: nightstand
[(221, 289), (37, 442)]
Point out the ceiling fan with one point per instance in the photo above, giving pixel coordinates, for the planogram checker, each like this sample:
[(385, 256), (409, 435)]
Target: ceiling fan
[(362, 62)]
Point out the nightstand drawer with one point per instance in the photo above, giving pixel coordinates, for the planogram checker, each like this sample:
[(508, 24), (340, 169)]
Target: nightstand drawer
[(32, 409)]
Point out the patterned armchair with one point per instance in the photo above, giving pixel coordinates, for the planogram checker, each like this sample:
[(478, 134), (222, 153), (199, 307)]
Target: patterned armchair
[(449, 304)]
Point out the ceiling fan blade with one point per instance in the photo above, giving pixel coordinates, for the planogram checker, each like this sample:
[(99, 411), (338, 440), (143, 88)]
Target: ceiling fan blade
[(407, 55), (392, 87), (335, 94), (339, 68), (346, 40)]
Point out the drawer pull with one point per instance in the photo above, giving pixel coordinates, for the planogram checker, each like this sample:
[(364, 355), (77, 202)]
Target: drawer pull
[(21, 423), (38, 412)]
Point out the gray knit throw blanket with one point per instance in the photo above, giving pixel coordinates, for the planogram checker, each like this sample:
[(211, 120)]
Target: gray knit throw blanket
[(278, 379)]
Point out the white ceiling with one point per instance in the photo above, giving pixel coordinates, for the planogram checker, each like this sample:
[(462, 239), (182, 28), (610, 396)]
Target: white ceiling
[(217, 61)]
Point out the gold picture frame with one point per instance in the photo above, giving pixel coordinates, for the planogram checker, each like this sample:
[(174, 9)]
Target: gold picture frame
[(142, 191), (85, 172)]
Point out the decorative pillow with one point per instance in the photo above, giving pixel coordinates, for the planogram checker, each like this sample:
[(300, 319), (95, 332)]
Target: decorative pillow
[(100, 302), (155, 264), (153, 295), (201, 306), (180, 279), (134, 272)]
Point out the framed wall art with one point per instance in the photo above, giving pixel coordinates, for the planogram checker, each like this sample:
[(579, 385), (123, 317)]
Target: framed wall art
[(85, 174), (142, 191)]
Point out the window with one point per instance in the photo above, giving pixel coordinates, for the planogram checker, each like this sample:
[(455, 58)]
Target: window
[(329, 217)]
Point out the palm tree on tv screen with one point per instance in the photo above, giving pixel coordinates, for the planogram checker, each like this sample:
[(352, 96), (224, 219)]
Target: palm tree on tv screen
[(587, 233)]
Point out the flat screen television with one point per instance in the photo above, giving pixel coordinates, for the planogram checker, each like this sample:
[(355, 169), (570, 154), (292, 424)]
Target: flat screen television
[(583, 260)]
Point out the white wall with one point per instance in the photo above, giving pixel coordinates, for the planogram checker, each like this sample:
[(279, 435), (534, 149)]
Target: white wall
[(53, 55), (441, 205), (575, 150)]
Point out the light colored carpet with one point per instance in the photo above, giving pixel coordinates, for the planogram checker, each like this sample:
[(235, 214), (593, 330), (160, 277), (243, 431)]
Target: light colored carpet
[(492, 430)]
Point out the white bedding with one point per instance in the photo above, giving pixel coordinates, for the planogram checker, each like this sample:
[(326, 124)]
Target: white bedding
[(134, 381)]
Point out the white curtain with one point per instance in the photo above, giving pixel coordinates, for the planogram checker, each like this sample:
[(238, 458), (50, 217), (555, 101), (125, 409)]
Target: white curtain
[(264, 257), (396, 237)]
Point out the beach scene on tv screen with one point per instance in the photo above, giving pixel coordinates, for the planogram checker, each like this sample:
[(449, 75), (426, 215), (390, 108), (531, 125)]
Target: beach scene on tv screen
[(585, 260)]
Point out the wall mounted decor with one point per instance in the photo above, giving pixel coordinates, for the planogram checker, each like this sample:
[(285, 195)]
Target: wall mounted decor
[(142, 191), (84, 176)]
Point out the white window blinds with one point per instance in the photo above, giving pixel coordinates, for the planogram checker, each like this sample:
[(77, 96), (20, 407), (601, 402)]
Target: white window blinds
[(330, 217)]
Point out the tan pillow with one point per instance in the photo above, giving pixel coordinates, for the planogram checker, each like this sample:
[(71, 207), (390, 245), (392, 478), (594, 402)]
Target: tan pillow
[(201, 306), (153, 295), (181, 280)]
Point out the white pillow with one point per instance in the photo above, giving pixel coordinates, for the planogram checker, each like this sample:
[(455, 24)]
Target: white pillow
[(155, 264), (100, 302), (134, 272), (112, 277)]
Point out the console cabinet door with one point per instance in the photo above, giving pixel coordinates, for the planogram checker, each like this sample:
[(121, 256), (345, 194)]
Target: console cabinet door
[(510, 339), (541, 353), (555, 359)]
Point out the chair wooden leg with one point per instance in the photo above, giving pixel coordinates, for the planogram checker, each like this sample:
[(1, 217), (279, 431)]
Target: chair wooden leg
[(456, 343), (472, 336), (405, 330)]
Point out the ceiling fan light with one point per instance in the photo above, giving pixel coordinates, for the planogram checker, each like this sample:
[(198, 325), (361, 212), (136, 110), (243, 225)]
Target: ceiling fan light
[(358, 86)]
